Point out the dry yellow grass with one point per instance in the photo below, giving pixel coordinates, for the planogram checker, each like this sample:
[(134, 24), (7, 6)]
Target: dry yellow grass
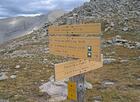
[(32, 73)]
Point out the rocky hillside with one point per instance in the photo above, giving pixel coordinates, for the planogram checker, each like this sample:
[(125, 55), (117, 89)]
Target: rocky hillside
[(18, 26), (27, 67), (115, 15)]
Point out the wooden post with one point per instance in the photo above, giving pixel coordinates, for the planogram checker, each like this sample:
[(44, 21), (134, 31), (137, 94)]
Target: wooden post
[(80, 80)]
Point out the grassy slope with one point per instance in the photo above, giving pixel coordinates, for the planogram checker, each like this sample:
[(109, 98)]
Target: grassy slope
[(33, 72)]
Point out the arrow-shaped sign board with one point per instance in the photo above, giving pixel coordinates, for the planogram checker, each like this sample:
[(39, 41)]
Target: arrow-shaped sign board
[(72, 68)]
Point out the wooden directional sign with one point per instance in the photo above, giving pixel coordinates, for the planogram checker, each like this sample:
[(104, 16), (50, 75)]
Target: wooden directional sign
[(77, 29), (72, 68), (72, 91), (76, 47)]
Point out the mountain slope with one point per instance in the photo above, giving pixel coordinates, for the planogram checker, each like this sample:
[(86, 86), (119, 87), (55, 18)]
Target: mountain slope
[(17, 26), (115, 15), (27, 64), (14, 27), (28, 59)]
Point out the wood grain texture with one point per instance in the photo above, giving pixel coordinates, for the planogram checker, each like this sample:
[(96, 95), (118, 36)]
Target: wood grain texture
[(76, 29), (76, 47), (76, 67)]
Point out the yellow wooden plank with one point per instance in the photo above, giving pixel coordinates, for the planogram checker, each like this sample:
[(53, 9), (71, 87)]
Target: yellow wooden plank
[(76, 47), (72, 91), (76, 67), (78, 29)]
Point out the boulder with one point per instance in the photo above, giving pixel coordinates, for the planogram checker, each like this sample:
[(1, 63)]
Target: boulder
[(56, 89)]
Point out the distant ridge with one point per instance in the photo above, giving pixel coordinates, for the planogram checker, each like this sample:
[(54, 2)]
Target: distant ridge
[(17, 26)]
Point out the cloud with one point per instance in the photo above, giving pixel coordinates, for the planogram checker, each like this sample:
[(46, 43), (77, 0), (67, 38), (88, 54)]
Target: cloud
[(10, 8)]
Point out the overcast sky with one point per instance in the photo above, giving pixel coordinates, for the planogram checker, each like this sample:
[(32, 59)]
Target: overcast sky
[(11, 8)]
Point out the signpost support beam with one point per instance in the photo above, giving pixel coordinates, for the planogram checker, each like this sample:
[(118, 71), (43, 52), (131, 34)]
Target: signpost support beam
[(80, 80)]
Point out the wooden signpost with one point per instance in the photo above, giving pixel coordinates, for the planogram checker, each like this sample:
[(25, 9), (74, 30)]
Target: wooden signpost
[(80, 41)]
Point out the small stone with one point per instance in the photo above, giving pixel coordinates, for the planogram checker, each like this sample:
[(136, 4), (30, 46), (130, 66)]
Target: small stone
[(25, 68), (118, 37), (124, 61), (3, 76), (4, 100), (109, 42), (42, 80), (17, 66), (35, 83), (51, 78), (45, 59), (52, 64), (138, 78), (48, 71), (97, 99), (126, 18), (138, 45), (112, 24), (108, 83), (125, 29), (109, 60), (113, 52), (16, 72), (13, 76), (88, 85)]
